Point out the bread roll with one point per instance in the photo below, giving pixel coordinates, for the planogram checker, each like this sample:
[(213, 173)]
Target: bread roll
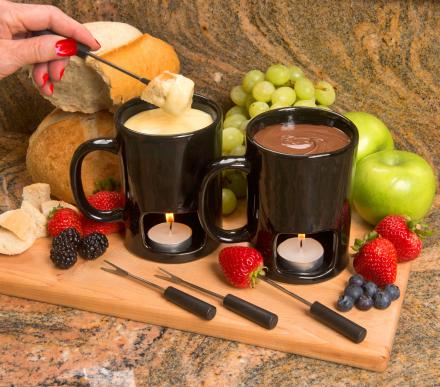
[(40, 229), (18, 222), (10, 244), (52, 145), (89, 86), (36, 194)]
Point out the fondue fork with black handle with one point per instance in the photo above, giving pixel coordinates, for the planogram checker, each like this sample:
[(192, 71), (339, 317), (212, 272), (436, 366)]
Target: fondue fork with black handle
[(250, 311), (84, 51), (184, 300), (327, 316)]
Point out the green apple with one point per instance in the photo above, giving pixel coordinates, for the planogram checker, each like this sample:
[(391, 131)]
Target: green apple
[(393, 182), (374, 136)]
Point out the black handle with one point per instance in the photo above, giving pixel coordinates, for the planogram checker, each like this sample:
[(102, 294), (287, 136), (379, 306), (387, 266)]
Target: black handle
[(250, 311), (339, 323), (206, 215), (82, 49), (190, 303), (105, 144)]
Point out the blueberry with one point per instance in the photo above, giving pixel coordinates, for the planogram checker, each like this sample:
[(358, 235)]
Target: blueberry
[(356, 280), (370, 288), (393, 291), (345, 303), (382, 300), (353, 291), (364, 302)]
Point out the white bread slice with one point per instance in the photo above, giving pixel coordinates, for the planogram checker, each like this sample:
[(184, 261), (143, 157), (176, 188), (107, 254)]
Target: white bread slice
[(39, 219), (89, 86), (47, 207), (19, 223), (52, 145), (36, 194), (10, 244), (172, 92)]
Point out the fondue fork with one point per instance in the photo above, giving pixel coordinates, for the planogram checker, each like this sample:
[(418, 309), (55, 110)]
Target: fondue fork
[(83, 51), (327, 316), (235, 304), (184, 300)]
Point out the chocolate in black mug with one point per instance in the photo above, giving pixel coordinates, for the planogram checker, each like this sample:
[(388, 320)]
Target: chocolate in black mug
[(161, 174), (290, 194)]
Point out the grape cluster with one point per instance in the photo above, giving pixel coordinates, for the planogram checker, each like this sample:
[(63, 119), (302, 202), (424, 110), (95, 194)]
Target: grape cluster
[(281, 86)]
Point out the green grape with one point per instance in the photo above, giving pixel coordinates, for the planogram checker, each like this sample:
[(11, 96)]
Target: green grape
[(237, 183), (284, 95), (304, 89), (305, 102), (278, 105), (239, 150), (238, 95), (278, 74), (234, 121), (263, 91), (323, 107), (325, 93), (237, 110), (244, 125), (231, 137), (229, 201), (258, 107), (251, 79), (249, 101), (295, 73)]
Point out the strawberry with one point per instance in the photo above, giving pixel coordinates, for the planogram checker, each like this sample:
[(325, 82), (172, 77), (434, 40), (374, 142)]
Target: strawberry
[(404, 234), (241, 265), (89, 226), (376, 259), (106, 200), (62, 218)]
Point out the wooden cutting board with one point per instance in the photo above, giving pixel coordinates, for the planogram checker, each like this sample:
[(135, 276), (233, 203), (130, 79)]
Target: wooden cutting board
[(31, 275)]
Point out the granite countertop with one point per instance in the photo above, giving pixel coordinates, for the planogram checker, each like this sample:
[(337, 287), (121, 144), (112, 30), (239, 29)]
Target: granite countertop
[(383, 58)]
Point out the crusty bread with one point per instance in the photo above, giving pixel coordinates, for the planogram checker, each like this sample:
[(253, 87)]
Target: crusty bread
[(48, 206), (172, 92), (89, 86), (36, 194), (52, 145), (18, 222), (40, 220), (10, 244)]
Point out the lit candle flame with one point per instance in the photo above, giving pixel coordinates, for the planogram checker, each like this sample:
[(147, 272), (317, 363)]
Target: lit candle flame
[(301, 237), (169, 217)]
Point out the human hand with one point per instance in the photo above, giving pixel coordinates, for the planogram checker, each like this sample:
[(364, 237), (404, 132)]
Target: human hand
[(49, 54)]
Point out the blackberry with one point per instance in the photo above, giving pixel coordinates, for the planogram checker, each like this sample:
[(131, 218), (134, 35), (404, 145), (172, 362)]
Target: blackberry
[(93, 246), (68, 237), (64, 256)]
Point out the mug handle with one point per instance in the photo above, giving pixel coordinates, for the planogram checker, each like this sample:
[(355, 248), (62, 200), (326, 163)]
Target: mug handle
[(104, 144), (207, 219)]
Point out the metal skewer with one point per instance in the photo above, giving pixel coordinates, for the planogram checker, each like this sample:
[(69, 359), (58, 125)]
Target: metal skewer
[(250, 311), (184, 300), (327, 316), (83, 51)]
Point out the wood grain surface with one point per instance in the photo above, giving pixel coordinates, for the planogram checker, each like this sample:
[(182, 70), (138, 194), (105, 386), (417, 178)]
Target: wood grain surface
[(32, 275)]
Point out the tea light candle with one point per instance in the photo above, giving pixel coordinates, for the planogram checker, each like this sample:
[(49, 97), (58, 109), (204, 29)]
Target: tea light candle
[(170, 236), (301, 253)]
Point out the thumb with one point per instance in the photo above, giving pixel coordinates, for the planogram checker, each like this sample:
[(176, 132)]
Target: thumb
[(42, 49)]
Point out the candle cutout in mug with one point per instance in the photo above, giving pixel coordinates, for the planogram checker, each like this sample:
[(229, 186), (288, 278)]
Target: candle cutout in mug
[(301, 253), (170, 236)]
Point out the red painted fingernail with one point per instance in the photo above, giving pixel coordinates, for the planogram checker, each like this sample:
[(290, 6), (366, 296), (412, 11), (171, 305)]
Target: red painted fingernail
[(51, 88), (45, 79), (99, 44), (61, 73), (66, 47)]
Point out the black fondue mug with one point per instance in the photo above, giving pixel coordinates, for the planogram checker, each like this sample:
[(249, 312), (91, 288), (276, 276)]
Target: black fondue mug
[(161, 174), (291, 194)]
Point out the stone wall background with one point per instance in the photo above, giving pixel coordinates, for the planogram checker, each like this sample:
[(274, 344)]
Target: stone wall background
[(383, 56)]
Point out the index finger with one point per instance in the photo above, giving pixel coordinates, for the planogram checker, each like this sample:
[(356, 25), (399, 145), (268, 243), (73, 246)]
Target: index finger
[(35, 17)]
